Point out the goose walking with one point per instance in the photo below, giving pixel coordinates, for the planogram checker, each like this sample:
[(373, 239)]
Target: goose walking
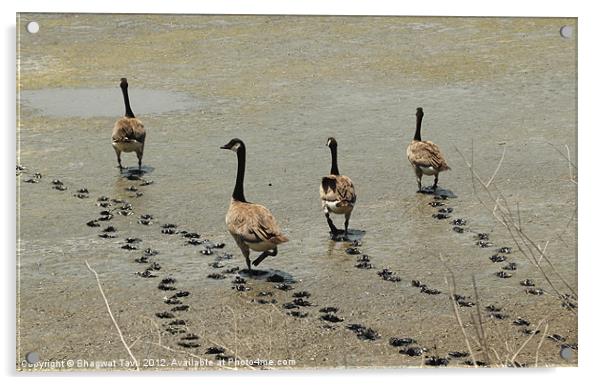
[(425, 156), (336, 192), (128, 132), (252, 226)]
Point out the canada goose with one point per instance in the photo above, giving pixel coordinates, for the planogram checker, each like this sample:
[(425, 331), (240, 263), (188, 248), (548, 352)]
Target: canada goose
[(128, 132), (336, 191), (251, 225), (425, 156)]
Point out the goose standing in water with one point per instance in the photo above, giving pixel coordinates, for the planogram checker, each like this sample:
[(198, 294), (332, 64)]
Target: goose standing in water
[(128, 132), (336, 192), (251, 225), (425, 156)]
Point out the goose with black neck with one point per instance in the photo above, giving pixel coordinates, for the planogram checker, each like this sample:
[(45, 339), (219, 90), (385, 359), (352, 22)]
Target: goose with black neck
[(337, 193), (425, 156), (128, 132), (252, 225)]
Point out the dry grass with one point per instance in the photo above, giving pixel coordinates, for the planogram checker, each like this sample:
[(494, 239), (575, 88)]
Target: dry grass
[(481, 346), (104, 297), (488, 344), (159, 343), (494, 201)]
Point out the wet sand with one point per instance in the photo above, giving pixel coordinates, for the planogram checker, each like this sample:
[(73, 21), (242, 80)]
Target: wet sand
[(284, 84)]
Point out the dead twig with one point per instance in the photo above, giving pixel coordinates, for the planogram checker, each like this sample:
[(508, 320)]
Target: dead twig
[(497, 168), (157, 328), (104, 297), (526, 341), (185, 353), (543, 337), (234, 351), (480, 319), (568, 158), (135, 342), (501, 211), (452, 295)]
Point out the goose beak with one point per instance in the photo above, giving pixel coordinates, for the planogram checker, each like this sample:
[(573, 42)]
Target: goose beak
[(224, 147)]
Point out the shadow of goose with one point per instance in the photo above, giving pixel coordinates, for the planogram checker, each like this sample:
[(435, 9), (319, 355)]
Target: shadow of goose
[(352, 235), (268, 275), (440, 192), (133, 173)]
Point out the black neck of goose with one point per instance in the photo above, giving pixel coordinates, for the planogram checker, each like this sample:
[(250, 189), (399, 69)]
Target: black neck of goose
[(126, 100), (418, 126), (334, 168), (239, 189)]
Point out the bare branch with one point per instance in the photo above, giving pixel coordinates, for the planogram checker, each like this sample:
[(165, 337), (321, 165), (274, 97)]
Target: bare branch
[(483, 335), (135, 342), (452, 293), (504, 215), (527, 341), (571, 165), (113, 318), (543, 337), (497, 168), (568, 158), (156, 327), (186, 353)]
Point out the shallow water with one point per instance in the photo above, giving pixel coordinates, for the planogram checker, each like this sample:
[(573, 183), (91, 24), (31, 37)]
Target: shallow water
[(283, 85), (101, 102)]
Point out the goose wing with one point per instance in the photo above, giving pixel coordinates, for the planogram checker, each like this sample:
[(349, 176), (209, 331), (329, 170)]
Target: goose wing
[(254, 223), (426, 154), (338, 188), (328, 188), (128, 129)]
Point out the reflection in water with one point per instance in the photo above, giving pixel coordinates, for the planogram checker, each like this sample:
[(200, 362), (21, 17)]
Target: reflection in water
[(340, 242), (131, 176), (330, 248)]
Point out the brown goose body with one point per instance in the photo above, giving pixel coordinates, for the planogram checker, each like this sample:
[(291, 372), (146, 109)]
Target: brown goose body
[(425, 156), (128, 135), (337, 192), (252, 225), (128, 132)]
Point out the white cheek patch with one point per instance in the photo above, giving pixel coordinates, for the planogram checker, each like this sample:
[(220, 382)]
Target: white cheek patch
[(235, 147)]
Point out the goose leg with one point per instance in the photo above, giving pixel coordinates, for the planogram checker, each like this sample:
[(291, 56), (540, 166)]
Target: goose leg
[(435, 184), (347, 216), (119, 159), (418, 178), (264, 255), (139, 154), (333, 228), (245, 251), (247, 259)]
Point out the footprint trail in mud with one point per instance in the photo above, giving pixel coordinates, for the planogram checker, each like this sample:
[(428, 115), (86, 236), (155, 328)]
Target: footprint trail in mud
[(298, 303)]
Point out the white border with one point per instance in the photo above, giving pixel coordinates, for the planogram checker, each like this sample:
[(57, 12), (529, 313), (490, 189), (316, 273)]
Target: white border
[(589, 143), (311, 7)]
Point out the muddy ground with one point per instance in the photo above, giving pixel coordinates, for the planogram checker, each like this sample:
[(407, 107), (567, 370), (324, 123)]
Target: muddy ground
[(284, 84)]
